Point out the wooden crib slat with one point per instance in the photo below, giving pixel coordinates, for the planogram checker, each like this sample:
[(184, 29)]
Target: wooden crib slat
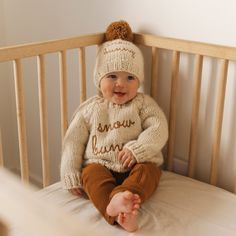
[(195, 111), (43, 119), (1, 151), (63, 93), (82, 74), (154, 71), (172, 112), (218, 122), (21, 125)]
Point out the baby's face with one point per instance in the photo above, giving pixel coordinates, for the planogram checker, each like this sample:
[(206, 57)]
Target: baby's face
[(119, 87)]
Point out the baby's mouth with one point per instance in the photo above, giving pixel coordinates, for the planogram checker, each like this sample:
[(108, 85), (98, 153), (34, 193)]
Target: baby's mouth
[(119, 94)]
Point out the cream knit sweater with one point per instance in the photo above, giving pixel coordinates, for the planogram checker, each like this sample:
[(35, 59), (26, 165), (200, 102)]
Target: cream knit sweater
[(100, 129)]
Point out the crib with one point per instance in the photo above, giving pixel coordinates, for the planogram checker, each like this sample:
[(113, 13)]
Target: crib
[(182, 205)]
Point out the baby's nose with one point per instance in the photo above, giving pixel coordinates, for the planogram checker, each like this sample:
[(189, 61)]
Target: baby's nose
[(120, 82)]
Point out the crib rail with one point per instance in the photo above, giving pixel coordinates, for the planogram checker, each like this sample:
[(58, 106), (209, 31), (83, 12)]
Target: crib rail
[(225, 54), (34, 49), (176, 46), (187, 46), (17, 54)]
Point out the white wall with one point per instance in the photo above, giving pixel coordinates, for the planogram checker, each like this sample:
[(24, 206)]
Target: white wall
[(203, 20), (31, 20)]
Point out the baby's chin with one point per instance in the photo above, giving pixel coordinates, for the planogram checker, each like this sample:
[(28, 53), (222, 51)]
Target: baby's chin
[(122, 101)]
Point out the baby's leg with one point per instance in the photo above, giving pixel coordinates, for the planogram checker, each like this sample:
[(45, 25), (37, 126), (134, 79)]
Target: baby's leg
[(143, 180), (98, 184)]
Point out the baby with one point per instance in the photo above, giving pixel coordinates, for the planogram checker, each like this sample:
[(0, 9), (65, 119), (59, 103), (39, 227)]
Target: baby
[(112, 148)]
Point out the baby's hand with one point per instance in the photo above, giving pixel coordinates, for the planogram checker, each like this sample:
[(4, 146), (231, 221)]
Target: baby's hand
[(127, 158), (76, 191)]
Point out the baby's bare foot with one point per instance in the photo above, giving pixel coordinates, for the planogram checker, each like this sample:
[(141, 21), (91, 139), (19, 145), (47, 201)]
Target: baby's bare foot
[(128, 221), (123, 202)]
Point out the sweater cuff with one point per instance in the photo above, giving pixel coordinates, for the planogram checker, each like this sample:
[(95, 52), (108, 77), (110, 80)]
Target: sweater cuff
[(70, 181), (138, 151)]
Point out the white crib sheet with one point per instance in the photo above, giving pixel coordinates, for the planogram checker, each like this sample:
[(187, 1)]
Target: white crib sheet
[(181, 206)]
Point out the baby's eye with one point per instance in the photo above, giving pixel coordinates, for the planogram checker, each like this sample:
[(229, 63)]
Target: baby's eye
[(111, 76), (131, 77)]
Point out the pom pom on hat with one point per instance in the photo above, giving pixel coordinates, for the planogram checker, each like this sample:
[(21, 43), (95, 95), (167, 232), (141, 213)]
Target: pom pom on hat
[(119, 30), (119, 53)]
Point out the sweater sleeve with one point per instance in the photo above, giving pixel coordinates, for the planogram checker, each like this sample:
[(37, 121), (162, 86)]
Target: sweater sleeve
[(147, 147), (73, 149)]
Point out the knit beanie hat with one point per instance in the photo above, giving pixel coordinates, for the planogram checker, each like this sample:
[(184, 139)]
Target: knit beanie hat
[(118, 53)]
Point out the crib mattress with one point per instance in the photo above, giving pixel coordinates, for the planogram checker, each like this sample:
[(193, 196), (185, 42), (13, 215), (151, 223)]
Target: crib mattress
[(180, 206)]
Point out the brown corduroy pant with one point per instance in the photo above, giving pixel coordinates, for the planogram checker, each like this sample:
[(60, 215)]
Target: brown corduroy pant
[(101, 184)]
